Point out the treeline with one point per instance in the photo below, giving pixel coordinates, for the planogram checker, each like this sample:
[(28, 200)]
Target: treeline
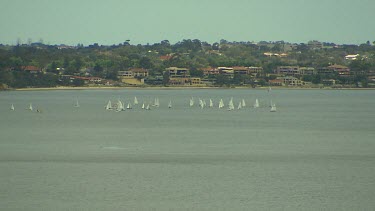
[(106, 61)]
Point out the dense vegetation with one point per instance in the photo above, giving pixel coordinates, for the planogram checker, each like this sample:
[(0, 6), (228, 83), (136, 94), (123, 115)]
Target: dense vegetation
[(106, 61)]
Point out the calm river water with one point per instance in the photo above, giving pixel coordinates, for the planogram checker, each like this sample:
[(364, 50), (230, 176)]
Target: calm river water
[(317, 152)]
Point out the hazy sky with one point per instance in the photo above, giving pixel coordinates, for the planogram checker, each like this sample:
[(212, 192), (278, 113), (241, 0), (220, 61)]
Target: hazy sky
[(150, 21)]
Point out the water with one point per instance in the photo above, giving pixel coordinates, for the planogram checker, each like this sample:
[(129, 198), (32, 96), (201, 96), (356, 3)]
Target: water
[(317, 152)]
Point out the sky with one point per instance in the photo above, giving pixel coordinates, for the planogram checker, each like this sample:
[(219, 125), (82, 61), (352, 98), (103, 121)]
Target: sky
[(110, 22)]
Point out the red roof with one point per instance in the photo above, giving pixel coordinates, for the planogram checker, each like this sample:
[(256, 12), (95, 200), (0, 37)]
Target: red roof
[(166, 57), (31, 68)]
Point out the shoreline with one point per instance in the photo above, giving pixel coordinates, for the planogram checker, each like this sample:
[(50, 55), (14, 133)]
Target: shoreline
[(177, 88)]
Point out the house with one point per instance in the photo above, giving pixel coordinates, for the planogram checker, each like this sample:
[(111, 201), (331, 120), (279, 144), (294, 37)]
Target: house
[(87, 80), (324, 71), (125, 74), (351, 57), (227, 71), (240, 70), (276, 82), (328, 82), (178, 81), (139, 72), (176, 72), (195, 81), (210, 71), (133, 76), (255, 70), (165, 57), (133, 73), (291, 81), (340, 69), (31, 69), (307, 71), (288, 70)]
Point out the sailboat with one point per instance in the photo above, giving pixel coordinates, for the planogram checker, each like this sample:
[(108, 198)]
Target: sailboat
[(30, 107), (191, 103), (135, 101), (109, 105), (221, 103), (143, 106), (156, 103), (273, 108), (239, 105), (12, 107), (201, 104), (243, 103), (231, 105), (170, 104), (120, 106), (148, 107), (76, 104), (256, 104), (129, 106), (211, 104)]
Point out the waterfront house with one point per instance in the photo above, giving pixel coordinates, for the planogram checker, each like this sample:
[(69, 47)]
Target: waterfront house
[(291, 81), (177, 72), (276, 82), (133, 76), (288, 70), (210, 71), (227, 71), (340, 69), (307, 71)]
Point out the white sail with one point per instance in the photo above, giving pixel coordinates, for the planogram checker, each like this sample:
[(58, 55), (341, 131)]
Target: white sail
[(256, 104), (129, 106), (148, 107), (120, 106), (231, 105), (221, 103), (201, 104), (191, 102), (12, 107), (239, 105), (156, 102), (30, 107), (243, 103), (211, 104), (135, 101), (170, 104), (76, 104), (143, 106), (273, 108), (109, 105)]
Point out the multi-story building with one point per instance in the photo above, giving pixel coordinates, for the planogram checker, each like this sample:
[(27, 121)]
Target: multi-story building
[(177, 72), (340, 69), (133, 76), (291, 81), (288, 70), (210, 71), (227, 71), (307, 71)]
